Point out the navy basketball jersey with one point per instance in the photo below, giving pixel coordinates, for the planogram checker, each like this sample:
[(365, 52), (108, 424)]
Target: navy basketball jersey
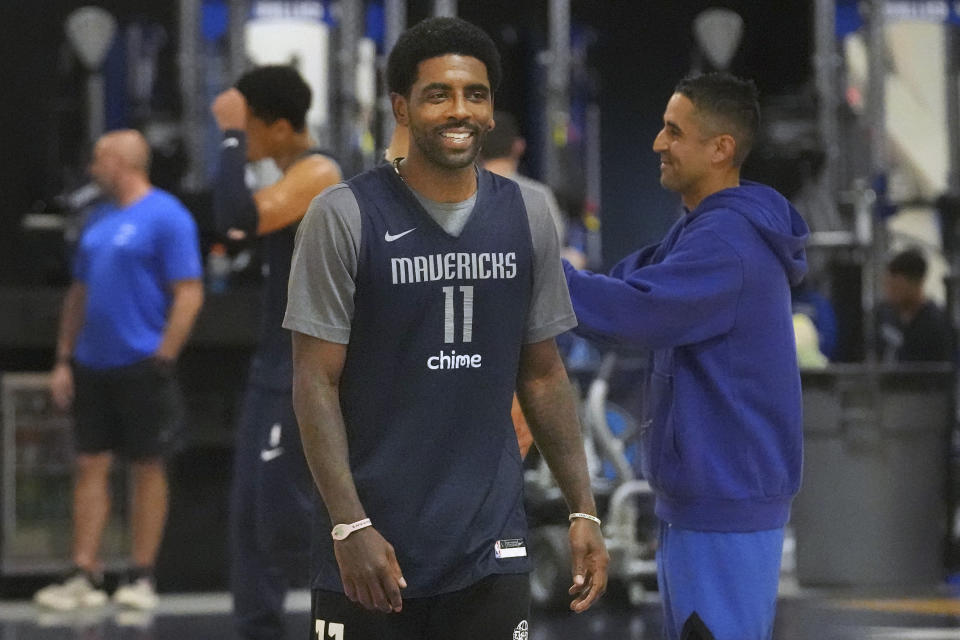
[(428, 382), (272, 363)]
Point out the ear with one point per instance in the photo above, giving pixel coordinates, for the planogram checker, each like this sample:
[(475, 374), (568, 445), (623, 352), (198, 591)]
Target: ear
[(401, 111), (519, 147), (724, 149), (280, 128)]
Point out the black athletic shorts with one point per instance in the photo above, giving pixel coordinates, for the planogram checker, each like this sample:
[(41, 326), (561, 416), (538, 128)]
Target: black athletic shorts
[(496, 608), (135, 411)]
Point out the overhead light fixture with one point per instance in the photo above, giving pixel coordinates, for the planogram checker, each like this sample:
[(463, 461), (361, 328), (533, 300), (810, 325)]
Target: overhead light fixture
[(90, 31), (718, 33)]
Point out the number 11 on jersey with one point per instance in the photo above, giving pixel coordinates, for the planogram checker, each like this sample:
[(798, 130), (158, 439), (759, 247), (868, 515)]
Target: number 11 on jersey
[(334, 629), (449, 329)]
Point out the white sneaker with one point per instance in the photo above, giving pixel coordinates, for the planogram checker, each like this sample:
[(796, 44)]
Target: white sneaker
[(74, 592), (133, 618), (138, 594)]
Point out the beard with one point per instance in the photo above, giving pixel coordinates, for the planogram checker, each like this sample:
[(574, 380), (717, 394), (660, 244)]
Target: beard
[(431, 145), (673, 180)]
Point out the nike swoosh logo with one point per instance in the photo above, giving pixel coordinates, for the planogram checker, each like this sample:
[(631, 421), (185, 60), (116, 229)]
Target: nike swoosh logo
[(390, 237), (230, 142), (269, 454)]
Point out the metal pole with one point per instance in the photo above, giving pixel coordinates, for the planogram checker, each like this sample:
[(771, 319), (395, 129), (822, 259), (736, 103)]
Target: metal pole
[(951, 224), (96, 110), (877, 128), (876, 88), (351, 26), (558, 91), (191, 93), (239, 13), (952, 67), (395, 13), (826, 64), (593, 169), (395, 16), (593, 165), (445, 8)]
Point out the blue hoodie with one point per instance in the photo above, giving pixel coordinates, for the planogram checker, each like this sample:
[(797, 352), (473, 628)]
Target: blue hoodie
[(721, 432)]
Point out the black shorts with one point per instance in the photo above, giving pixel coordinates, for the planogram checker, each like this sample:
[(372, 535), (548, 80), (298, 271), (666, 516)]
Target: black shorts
[(135, 411), (496, 608)]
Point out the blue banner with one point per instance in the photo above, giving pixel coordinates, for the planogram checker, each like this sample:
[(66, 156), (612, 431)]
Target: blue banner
[(298, 9), (849, 18)]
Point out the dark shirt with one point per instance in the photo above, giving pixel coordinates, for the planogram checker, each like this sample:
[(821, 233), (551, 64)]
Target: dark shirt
[(272, 364), (426, 390), (928, 337), (234, 207)]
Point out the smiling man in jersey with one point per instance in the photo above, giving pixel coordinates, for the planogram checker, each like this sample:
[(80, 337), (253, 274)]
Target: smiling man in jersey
[(264, 116), (421, 295)]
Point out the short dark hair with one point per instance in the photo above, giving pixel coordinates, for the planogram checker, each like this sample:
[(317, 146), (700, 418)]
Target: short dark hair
[(435, 37), (910, 264), (276, 91), (730, 105), (498, 142)]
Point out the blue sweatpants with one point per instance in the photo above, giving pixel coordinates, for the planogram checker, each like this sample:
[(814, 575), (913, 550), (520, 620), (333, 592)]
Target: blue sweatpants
[(728, 579), (270, 513)]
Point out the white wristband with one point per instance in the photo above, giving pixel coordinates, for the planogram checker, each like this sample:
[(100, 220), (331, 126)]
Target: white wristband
[(341, 531), (585, 516)]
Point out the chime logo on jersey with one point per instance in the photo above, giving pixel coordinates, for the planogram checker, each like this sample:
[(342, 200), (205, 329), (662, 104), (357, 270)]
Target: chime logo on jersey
[(454, 360), (454, 266)]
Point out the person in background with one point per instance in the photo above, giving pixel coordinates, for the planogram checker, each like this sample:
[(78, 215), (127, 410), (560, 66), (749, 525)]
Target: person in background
[(503, 148), (445, 280), (910, 327), (722, 438), (264, 116), (137, 289)]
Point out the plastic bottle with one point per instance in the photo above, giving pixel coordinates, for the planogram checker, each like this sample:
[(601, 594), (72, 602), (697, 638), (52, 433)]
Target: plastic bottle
[(218, 268)]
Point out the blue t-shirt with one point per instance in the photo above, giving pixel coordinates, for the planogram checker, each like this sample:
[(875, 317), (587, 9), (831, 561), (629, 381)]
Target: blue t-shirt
[(127, 258)]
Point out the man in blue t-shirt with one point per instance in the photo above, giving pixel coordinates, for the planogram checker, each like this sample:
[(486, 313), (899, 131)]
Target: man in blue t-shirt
[(722, 432), (136, 292), (421, 295)]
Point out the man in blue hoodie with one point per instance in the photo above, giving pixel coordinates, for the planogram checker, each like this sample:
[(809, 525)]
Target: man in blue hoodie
[(722, 435)]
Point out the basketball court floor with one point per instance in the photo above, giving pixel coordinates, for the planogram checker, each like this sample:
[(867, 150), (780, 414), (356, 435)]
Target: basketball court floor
[(802, 615)]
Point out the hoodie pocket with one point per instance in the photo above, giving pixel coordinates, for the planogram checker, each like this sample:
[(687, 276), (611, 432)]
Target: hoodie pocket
[(657, 427)]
